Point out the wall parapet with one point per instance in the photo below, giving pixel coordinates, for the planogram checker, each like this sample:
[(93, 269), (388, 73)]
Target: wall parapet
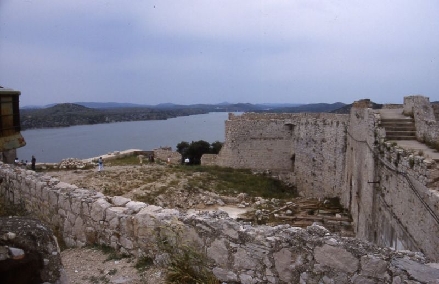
[(427, 127), (239, 251)]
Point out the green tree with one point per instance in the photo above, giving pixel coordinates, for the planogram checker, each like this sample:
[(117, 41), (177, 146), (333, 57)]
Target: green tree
[(215, 147), (196, 149)]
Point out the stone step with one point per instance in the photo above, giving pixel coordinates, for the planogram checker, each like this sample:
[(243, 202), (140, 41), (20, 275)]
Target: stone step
[(400, 133), (400, 128), (397, 120), (401, 137)]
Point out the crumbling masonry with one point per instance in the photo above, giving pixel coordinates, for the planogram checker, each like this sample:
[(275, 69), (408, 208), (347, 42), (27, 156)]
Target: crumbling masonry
[(391, 195)]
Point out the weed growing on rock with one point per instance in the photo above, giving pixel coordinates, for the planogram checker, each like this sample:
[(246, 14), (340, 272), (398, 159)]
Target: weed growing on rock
[(185, 263)]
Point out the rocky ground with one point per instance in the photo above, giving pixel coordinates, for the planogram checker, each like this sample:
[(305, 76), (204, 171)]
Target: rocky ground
[(171, 187), (153, 183), (93, 265)]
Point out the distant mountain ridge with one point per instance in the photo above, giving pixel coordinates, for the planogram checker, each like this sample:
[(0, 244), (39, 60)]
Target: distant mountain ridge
[(106, 105), (69, 114)]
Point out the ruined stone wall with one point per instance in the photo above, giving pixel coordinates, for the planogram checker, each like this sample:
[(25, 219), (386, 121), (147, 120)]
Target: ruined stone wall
[(259, 144), (209, 159), (408, 198), (358, 195), (392, 193), (239, 252), (436, 110), (163, 154), (319, 149), (427, 128), (309, 148)]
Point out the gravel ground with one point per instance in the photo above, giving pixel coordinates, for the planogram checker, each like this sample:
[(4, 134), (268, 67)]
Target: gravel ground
[(90, 265)]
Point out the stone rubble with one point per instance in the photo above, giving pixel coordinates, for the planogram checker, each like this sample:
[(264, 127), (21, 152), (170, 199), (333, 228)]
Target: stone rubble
[(240, 252)]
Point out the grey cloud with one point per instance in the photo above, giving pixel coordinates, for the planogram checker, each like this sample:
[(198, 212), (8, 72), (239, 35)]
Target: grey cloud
[(214, 51)]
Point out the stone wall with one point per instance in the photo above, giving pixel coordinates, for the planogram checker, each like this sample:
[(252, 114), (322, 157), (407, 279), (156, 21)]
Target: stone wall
[(308, 149), (259, 144), (427, 127), (163, 154), (408, 198), (239, 252), (319, 146), (209, 159), (392, 193), (358, 195)]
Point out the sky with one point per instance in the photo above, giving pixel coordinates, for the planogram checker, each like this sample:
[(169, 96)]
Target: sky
[(246, 51)]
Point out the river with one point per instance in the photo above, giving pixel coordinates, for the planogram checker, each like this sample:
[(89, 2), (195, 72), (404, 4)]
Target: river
[(85, 141)]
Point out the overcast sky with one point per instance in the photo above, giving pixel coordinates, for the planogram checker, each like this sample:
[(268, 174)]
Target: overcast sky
[(285, 51)]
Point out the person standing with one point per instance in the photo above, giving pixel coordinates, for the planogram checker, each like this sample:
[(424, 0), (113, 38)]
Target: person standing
[(33, 161), (100, 164)]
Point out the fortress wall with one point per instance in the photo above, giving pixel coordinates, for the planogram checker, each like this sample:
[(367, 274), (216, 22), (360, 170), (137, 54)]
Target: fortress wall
[(239, 252), (257, 144), (308, 147), (390, 192), (319, 147), (209, 159), (408, 200), (427, 128), (358, 195)]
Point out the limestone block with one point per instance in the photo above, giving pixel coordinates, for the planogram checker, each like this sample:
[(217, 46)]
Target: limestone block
[(150, 209), (246, 279), (225, 275), (373, 267), (283, 260), (71, 218), (135, 206), (53, 198), (360, 279), (64, 202), (126, 243), (417, 271), (119, 201), (218, 252), (243, 259), (76, 205), (336, 258), (126, 225), (78, 230), (112, 216), (98, 209), (230, 229)]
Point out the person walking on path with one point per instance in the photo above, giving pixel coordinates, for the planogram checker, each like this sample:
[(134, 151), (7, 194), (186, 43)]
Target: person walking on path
[(100, 164), (33, 161)]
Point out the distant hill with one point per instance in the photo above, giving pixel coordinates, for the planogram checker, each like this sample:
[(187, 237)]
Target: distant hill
[(69, 114), (347, 108), (320, 107)]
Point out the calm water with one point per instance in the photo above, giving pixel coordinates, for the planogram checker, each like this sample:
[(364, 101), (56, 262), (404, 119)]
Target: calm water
[(86, 141)]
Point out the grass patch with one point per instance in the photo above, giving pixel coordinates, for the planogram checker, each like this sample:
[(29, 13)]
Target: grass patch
[(12, 210), (111, 253), (230, 181), (125, 161), (144, 263)]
